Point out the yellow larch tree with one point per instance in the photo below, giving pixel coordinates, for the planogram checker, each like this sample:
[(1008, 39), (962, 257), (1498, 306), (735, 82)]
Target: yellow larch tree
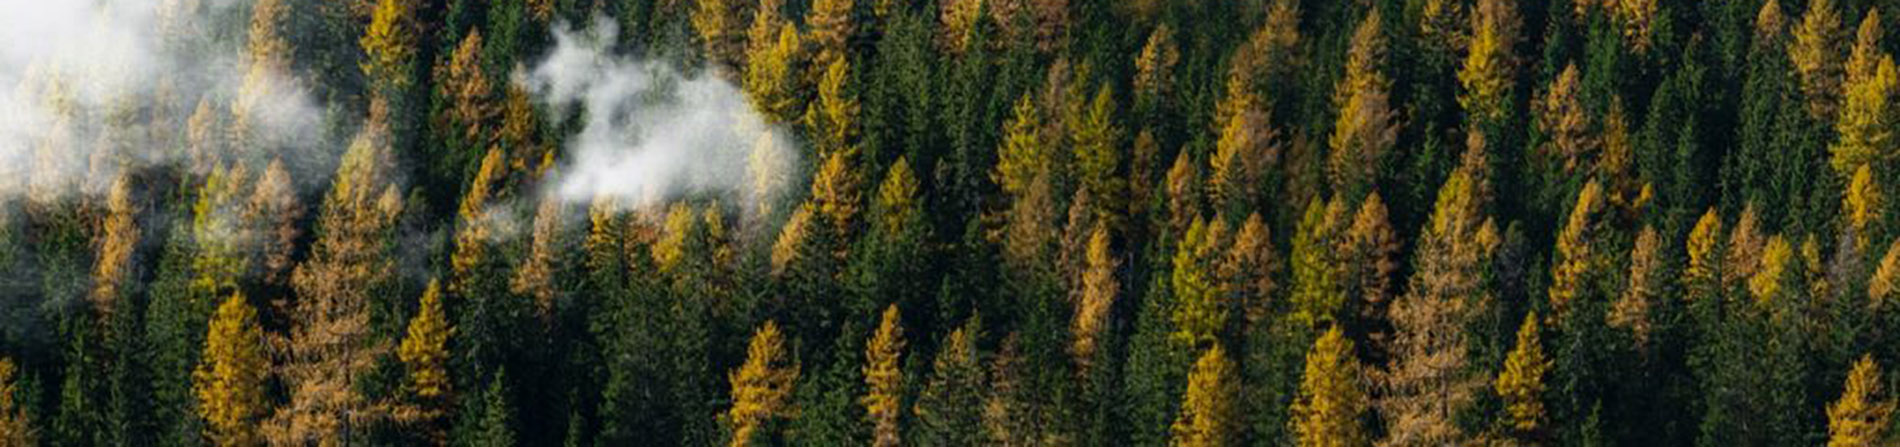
[(771, 78), (535, 277), (1565, 124), (1776, 262), (884, 379), (1369, 250), (1646, 284), (230, 380), (275, 210), (1096, 300), (117, 241), (1816, 53), (424, 350), (389, 44), (832, 118), (1208, 417), (1332, 396), (1860, 417), (1488, 72), (1867, 121), (831, 29), (1521, 383), (1579, 259), (1366, 127), (721, 28), (1886, 278), (1248, 270), (1863, 204), (761, 387)]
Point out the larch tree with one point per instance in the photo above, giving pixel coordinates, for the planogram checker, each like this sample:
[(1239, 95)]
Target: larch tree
[(469, 123), (1702, 278), (230, 382), (1249, 270), (1580, 261), (831, 30), (1565, 124), (721, 26), (1886, 278), (329, 346), (1866, 121), (1024, 153), (390, 45), (761, 388), (1097, 299), (1319, 290), (548, 247), (1207, 417), (112, 271), (884, 379), (424, 351), (1860, 418), (1521, 382), (1816, 52), (1428, 379), (276, 212), (1634, 309), (1200, 311), (771, 78), (1863, 205), (1369, 250), (15, 428), (1332, 400), (1242, 156), (1367, 126), (1154, 69), (832, 118), (1488, 74)]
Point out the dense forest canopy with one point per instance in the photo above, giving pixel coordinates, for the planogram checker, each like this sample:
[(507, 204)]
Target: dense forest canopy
[(949, 222)]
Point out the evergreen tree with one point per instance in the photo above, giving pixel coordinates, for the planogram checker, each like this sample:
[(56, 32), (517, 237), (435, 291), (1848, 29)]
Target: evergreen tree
[(949, 408)]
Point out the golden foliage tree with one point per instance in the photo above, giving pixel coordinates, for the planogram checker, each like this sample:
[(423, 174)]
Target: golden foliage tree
[(535, 277), (389, 44), (1866, 121), (1860, 417), (1579, 260), (1488, 72), (1242, 155), (1332, 396), (1154, 66), (465, 84), (1886, 278), (1024, 155), (275, 209), (15, 429), (884, 379), (117, 242), (1863, 204), (761, 387), (1427, 381), (1776, 262), (1249, 268), (1370, 250), (1366, 127), (1704, 269), (721, 28), (1096, 300), (1319, 291), (1200, 311), (1816, 53), (424, 350), (1207, 417), (771, 75), (230, 381), (833, 118), (1521, 383), (1098, 156), (831, 29), (329, 344), (1565, 123), (1632, 310)]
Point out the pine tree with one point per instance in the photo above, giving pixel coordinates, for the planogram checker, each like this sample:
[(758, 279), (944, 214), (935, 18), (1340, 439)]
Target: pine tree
[(1208, 417), (884, 379), (1367, 127), (15, 428), (948, 409), (761, 388), (496, 428), (1332, 399), (1860, 417), (1097, 143), (230, 382), (1521, 382)]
